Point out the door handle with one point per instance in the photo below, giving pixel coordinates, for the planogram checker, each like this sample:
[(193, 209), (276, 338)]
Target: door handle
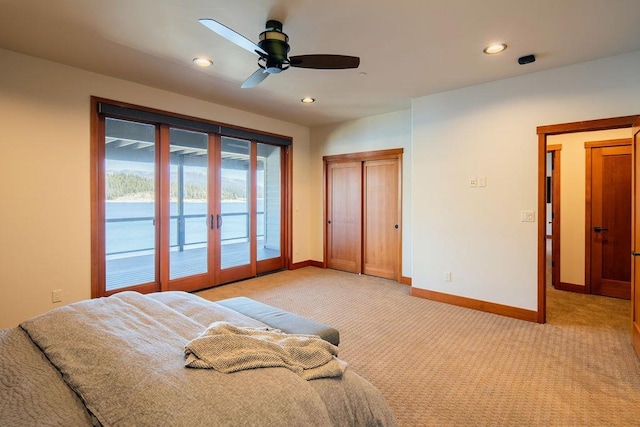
[(219, 221), (599, 229), (635, 253), (211, 223)]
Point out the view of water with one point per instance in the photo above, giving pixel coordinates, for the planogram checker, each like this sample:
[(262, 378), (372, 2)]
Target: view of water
[(130, 225)]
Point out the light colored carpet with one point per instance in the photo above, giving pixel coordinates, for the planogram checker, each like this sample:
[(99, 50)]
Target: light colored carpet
[(441, 365)]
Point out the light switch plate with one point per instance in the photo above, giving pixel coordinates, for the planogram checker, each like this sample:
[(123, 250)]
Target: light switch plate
[(527, 216)]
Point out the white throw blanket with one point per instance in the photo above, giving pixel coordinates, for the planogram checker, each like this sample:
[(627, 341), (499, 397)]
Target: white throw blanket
[(227, 348)]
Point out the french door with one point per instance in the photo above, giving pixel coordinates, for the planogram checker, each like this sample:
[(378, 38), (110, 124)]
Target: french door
[(251, 209), (181, 209)]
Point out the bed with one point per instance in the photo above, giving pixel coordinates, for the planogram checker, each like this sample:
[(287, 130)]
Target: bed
[(121, 361)]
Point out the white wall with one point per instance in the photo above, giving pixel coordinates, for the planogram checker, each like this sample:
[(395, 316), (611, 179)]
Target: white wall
[(45, 181), (490, 130), (573, 199), (373, 133)]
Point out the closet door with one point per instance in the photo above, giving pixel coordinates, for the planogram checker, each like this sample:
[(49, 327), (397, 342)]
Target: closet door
[(363, 199), (344, 216), (380, 249)]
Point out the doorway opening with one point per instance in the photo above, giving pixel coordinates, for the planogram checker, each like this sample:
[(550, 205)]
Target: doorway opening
[(544, 134), (552, 198)]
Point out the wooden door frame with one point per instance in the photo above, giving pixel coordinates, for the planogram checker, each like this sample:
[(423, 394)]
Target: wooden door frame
[(394, 153), (543, 132), (635, 322), (555, 151), (589, 145)]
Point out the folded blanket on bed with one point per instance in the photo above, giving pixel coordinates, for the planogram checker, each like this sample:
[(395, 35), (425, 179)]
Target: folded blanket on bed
[(227, 348)]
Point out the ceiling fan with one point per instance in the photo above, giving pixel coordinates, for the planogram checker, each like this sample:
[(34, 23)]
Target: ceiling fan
[(272, 50)]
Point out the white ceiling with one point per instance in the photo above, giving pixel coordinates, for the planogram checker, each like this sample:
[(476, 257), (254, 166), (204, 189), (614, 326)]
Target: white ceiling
[(408, 48)]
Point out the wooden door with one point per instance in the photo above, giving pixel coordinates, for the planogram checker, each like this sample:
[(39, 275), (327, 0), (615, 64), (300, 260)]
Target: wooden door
[(344, 216), (635, 290), (610, 228), (381, 219)]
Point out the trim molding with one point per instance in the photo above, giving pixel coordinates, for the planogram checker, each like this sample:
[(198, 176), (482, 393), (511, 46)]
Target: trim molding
[(608, 143), (318, 264), (572, 287), (307, 263), (487, 307), (392, 153), (310, 263), (587, 125)]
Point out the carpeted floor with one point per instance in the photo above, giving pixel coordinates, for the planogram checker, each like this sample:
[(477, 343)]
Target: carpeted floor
[(441, 365)]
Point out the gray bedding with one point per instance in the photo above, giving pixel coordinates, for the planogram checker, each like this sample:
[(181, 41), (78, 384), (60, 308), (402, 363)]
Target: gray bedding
[(228, 348), (120, 361)]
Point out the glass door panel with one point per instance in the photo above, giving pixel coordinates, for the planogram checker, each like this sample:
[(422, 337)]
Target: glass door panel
[(130, 203), (235, 191), (269, 222), (188, 203)]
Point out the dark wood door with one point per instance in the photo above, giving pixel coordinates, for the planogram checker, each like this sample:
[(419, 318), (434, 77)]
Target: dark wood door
[(381, 218), (344, 216), (610, 231), (635, 290)]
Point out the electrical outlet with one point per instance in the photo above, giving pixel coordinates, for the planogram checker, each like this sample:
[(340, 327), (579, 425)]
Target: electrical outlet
[(473, 182), (56, 295), (447, 276)]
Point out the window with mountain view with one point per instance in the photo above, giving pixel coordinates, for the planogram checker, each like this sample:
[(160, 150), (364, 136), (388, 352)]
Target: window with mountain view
[(182, 204)]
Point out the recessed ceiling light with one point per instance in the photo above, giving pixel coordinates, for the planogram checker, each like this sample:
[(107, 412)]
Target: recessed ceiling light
[(307, 100), (495, 48), (202, 62)]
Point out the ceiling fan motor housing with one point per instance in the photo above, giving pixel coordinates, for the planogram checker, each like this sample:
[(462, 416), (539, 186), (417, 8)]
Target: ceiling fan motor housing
[(275, 43)]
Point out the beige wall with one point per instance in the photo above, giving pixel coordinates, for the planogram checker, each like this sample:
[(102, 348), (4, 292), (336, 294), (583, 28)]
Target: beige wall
[(44, 176), (373, 133), (490, 130), (572, 199), (475, 233)]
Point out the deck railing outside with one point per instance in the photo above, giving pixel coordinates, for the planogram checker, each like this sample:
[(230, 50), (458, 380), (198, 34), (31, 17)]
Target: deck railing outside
[(182, 242)]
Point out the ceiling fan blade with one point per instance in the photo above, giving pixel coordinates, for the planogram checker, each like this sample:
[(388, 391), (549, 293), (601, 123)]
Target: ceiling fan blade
[(324, 62), (255, 79), (232, 36)]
